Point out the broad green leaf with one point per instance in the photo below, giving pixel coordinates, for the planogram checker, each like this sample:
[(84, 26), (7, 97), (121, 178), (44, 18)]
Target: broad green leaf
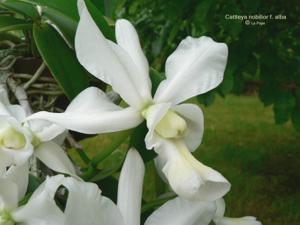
[(60, 59), (8, 23), (64, 23), (100, 21), (67, 7), (10, 37), (21, 7)]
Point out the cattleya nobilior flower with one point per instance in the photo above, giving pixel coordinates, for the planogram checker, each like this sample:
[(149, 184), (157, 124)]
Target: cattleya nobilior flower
[(175, 129), (85, 204), (19, 139), (13, 186), (219, 218)]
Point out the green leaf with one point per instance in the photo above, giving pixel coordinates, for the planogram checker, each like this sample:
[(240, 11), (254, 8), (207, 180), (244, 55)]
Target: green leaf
[(118, 139), (10, 37), (227, 84), (8, 23), (267, 94), (156, 78), (110, 7), (107, 172), (283, 108), (33, 183), (207, 98), (65, 24), (21, 7), (296, 117), (60, 59), (100, 21), (67, 7)]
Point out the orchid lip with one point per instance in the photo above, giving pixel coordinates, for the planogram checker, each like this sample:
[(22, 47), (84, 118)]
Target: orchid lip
[(11, 138), (171, 125)]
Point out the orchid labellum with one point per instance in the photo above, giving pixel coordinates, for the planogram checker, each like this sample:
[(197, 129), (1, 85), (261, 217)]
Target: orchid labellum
[(175, 129)]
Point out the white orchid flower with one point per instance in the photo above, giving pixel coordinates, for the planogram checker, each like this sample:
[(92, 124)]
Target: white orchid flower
[(195, 67), (221, 220), (85, 204), (13, 186), (19, 140)]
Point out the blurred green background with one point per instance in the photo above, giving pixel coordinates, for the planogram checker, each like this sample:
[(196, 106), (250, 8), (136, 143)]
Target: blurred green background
[(252, 120)]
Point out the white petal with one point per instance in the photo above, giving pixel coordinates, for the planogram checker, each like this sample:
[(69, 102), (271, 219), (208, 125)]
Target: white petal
[(179, 211), (247, 220), (60, 139), (54, 157), (8, 194), (41, 209), (17, 112), (128, 39), (91, 112), (6, 108), (86, 206), (3, 95), (96, 54), (80, 6), (4, 102), (130, 188), (44, 130), (193, 116), (188, 177), (220, 208), (196, 66), (19, 175), (92, 99), (154, 114), (5, 162)]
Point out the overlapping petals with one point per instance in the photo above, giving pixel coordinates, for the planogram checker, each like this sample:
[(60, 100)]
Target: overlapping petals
[(19, 139), (92, 112), (195, 67)]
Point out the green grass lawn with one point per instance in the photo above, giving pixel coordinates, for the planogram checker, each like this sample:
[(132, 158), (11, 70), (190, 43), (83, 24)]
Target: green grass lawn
[(259, 158)]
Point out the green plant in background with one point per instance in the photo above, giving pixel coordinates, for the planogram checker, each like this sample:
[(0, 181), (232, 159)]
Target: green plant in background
[(261, 60)]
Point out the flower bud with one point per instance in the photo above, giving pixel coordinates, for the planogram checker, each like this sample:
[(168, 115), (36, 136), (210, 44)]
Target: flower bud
[(11, 138)]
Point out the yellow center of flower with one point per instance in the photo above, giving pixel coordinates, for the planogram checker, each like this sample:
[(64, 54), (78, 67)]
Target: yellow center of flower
[(11, 138), (171, 125), (5, 218)]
